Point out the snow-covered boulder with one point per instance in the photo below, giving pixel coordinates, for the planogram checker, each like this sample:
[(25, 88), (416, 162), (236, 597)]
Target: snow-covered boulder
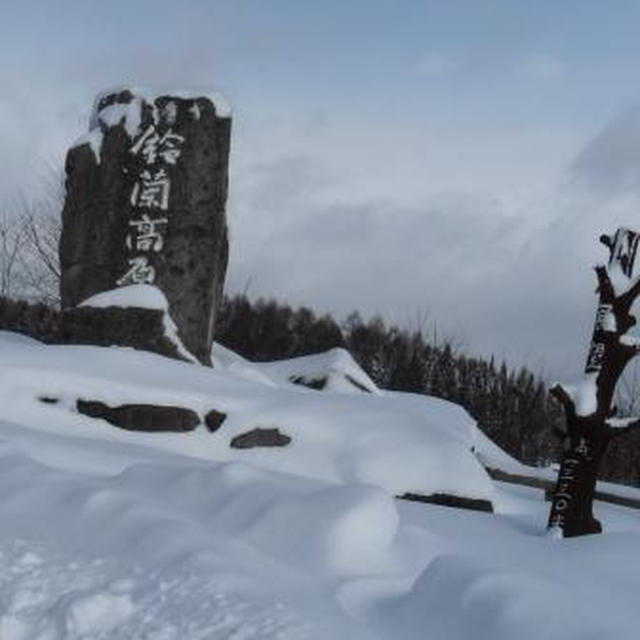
[(335, 370), (135, 316)]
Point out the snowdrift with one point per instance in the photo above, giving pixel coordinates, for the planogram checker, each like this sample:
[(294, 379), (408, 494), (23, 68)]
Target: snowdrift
[(109, 534), (397, 442)]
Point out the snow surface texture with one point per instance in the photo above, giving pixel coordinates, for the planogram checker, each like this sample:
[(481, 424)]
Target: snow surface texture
[(108, 534), (398, 442)]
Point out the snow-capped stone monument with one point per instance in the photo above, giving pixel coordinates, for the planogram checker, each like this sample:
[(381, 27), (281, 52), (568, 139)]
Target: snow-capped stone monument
[(145, 204)]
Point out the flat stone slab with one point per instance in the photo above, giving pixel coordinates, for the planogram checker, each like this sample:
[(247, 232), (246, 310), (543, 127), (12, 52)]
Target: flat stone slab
[(449, 500), (126, 327), (260, 438), (141, 417)]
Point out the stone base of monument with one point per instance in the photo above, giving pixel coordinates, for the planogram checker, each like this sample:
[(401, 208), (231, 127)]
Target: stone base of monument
[(121, 326)]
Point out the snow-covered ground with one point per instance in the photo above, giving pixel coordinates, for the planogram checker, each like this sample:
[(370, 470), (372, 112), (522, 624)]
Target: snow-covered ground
[(108, 534)]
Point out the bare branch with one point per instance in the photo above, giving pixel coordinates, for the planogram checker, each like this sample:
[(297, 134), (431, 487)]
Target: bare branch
[(559, 393), (42, 234)]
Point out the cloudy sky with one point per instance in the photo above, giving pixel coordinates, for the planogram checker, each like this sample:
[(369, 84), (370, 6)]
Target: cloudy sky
[(448, 160)]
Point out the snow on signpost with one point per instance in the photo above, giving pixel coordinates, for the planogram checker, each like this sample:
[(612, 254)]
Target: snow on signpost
[(591, 423)]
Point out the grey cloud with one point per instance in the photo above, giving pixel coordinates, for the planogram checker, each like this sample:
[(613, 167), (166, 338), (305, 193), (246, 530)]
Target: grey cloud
[(503, 281), (609, 164), (450, 258), (498, 278)]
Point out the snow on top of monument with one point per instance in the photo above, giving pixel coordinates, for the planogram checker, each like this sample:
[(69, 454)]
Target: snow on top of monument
[(142, 296), (151, 94), (130, 113)]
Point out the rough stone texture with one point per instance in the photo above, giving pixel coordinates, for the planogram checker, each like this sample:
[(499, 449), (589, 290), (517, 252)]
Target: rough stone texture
[(260, 438), (141, 417), (125, 327), (177, 141), (214, 420)]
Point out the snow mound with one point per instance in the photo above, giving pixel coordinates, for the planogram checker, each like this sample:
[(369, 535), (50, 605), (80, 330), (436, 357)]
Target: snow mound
[(225, 359), (345, 529), (108, 534), (335, 370), (402, 445), (457, 593)]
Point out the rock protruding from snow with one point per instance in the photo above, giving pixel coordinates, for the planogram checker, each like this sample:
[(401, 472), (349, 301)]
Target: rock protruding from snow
[(260, 438), (402, 443), (135, 316), (141, 417), (214, 419), (140, 328), (145, 204), (334, 370)]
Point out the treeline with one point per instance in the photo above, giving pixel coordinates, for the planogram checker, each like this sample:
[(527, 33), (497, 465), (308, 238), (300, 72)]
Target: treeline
[(511, 406)]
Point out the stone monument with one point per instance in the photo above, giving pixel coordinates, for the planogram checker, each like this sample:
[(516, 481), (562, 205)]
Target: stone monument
[(145, 204)]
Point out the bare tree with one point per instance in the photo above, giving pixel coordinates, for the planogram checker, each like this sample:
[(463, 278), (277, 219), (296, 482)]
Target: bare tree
[(590, 416), (29, 238), (11, 245), (40, 263)]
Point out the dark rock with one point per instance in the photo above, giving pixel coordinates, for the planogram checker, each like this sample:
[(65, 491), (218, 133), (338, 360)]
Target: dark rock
[(356, 384), (145, 203), (125, 327), (448, 500), (313, 383), (48, 400), (141, 417), (260, 438), (214, 420)]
